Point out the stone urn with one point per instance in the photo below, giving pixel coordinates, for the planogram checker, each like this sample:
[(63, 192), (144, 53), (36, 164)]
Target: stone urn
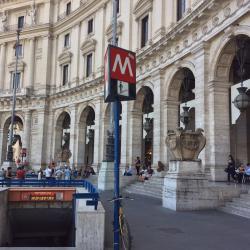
[(185, 145)]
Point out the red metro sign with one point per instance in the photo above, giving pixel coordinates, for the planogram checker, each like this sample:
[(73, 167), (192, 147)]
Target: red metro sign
[(123, 65), (120, 74)]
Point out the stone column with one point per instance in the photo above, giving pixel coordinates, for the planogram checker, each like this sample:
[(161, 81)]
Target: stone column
[(40, 141), (157, 123), (72, 145), (124, 134), (27, 132), (135, 144), (170, 110), (201, 79), (31, 62), (218, 141), (2, 157), (2, 65), (171, 13), (75, 47), (97, 140)]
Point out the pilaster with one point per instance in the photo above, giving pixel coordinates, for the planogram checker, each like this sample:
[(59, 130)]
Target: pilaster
[(98, 129), (201, 57), (31, 62), (124, 134), (2, 64), (27, 132), (73, 128), (219, 128)]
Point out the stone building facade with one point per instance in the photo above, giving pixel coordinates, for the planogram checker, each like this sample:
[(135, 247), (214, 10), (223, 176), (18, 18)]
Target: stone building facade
[(61, 66)]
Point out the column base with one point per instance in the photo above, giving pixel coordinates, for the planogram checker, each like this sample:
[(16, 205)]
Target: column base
[(218, 173), (186, 187), (106, 176)]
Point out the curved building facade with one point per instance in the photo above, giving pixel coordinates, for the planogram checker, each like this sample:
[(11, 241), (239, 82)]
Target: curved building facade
[(186, 52)]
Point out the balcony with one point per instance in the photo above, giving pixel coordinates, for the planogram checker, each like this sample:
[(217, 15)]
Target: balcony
[(19, 92), (14, 27)]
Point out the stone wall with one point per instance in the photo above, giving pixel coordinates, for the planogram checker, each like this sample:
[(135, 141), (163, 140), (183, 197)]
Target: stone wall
[(4, 228), (90, 224)]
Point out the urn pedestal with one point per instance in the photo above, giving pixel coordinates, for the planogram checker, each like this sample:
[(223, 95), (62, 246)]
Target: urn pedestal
[(186, 187)]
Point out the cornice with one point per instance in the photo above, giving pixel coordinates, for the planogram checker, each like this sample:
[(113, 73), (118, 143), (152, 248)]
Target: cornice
[(86, 9), (141, 7), (180, 42)]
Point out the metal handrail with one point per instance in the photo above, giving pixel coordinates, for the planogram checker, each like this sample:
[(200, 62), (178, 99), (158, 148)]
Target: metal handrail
[(49, 183)]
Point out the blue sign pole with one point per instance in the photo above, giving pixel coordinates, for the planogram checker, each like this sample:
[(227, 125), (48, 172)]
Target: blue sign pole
[(115, 107), (116, 175)]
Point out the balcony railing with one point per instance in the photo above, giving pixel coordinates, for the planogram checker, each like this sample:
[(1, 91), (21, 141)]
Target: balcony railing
[(19, 92), (14, 27)]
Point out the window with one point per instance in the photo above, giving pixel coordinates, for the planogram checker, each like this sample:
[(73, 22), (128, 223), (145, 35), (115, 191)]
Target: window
[(15, 80), (19, 50), (68, 8), (20, 22), (181, 7), (66, 41), (89, 65), (144, 31), (90, 26), (65, 74), (118, 6)]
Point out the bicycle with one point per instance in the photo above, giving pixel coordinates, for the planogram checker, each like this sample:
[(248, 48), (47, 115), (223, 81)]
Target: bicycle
[(124, 230)]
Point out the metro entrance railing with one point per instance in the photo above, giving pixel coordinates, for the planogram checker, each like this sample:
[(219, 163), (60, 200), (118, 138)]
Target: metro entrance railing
[(92, 196)]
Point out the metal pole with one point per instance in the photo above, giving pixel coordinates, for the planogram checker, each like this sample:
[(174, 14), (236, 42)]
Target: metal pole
[(10, 150), (115, 108)]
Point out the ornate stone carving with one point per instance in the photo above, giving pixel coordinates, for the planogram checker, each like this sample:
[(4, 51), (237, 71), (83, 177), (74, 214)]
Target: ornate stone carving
[(185, 145)]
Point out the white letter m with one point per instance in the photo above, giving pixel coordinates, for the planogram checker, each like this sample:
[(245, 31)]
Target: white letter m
[(124, 66)]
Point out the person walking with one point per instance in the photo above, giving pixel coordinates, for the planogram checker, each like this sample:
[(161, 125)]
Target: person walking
[(230, 168), (2, 174), (138, 165), (48, 173), (67, 173)]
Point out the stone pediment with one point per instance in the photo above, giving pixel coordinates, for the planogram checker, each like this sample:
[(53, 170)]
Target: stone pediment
[(20, 66), (88, 45), (65, 57), (141, 7), (119, 30)]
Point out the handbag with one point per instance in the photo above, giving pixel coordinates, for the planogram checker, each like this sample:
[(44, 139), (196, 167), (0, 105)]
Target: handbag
[(226, 170)]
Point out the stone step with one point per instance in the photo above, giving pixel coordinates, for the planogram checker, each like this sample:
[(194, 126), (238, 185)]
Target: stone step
[(134, 190), (235, 211), (242, 200), (146, 193), (240, 207), (143, 188)]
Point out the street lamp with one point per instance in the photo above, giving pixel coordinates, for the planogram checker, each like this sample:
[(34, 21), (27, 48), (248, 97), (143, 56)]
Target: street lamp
[(10, 149), (185, 116), (242, 100)]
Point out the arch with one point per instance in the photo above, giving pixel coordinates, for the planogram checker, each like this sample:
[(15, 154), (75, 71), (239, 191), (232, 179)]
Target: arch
[(84, 114), (82, 108), (224, 54), (61, 117), (141, 93), (175, 78), (59, 112), (7, 117), (173, 85)]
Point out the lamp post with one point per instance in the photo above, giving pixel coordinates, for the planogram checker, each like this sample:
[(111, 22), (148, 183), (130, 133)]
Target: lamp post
[(10, 149), (242, 100)]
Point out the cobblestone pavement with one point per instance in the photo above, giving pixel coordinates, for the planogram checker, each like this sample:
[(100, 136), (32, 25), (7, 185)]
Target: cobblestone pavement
[(154, 227)]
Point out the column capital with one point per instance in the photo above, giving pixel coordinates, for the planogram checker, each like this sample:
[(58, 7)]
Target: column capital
[(32, 39), (3, 44), (219, 86)]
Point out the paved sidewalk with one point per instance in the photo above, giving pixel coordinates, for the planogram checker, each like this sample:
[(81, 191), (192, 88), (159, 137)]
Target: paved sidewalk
[(154, 227)]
